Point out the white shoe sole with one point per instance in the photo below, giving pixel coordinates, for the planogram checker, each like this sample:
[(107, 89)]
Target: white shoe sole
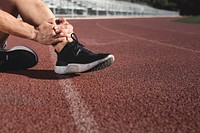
[(79, 68)]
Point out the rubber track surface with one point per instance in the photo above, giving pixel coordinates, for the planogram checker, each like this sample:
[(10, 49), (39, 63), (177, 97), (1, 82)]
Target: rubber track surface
[(153, 85)]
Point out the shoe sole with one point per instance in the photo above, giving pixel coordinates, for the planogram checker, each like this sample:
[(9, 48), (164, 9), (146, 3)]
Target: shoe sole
[(19, 58), (82, 68)]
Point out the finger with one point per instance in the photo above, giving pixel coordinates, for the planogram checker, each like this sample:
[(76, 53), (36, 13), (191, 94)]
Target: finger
[(53, 33), (56, 29), (69, 39), (63, 26), (58, 40), (59, 28), (70, 28), (61, 21), (64, 33)]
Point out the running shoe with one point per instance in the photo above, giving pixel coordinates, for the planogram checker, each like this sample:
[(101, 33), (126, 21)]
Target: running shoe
[(17, 58), (74, 58)]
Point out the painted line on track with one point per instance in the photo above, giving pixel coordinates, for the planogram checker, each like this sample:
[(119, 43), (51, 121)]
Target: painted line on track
[(80, 112), (168, 30), (144, 39)]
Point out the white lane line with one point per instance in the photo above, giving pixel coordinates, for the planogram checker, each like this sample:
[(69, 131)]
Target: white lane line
[(168, 30), (80, 112), (152, 41)]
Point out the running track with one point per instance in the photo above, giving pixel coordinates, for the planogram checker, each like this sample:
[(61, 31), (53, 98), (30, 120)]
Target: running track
[(153, 86)]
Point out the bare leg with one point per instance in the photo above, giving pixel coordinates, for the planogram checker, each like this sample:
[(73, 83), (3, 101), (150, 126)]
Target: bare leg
[(33, 12), (10, 8)]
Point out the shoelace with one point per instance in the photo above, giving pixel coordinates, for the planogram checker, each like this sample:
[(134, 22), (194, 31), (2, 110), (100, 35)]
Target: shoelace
[(74, 37), (78, 46)]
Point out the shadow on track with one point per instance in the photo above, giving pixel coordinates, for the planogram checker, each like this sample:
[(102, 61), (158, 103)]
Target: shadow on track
[(42, 74)]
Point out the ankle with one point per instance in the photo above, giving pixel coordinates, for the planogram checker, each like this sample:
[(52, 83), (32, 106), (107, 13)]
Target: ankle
[(58, 47)]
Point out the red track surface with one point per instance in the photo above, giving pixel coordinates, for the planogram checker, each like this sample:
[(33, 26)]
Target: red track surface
[(153, 86)]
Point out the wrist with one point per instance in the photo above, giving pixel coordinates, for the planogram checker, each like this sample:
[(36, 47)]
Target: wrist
[(34, 35)]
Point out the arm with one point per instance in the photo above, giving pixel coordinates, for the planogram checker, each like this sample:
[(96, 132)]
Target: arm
[(44, 33), (16, 27)]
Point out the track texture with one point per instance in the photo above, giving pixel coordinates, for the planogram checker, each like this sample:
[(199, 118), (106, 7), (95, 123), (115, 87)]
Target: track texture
[(153, 86)]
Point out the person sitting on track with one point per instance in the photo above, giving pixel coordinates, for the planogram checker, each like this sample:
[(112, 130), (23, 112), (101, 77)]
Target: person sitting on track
[(39, 24)]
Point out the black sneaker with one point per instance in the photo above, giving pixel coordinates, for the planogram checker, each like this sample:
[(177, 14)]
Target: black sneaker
[(74, 58), (17, 58)]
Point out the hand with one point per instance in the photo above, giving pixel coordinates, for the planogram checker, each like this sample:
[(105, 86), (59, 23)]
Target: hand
[(63, 28), (64, 31), (45, 34)]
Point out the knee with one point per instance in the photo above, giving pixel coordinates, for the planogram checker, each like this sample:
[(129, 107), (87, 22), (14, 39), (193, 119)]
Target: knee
[(39, 4)]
